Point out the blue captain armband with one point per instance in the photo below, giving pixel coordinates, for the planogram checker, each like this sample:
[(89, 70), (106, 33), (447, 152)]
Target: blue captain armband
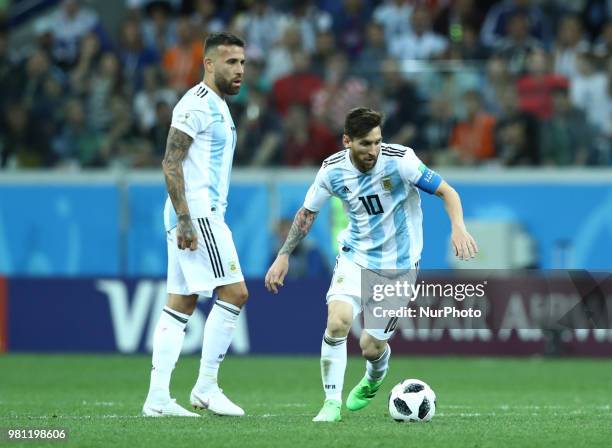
[(429, 180)]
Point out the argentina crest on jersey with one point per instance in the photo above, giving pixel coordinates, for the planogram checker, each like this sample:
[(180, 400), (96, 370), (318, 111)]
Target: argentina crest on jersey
[(386, 183)]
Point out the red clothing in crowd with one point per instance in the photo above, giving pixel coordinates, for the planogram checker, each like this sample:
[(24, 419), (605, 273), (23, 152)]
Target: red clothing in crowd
[(296, 88), (535, 94), (312, 149)]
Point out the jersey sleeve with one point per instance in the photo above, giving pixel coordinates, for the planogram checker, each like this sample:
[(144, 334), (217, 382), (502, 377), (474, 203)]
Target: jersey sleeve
[(191, 122), (318, 193), (415, 172)]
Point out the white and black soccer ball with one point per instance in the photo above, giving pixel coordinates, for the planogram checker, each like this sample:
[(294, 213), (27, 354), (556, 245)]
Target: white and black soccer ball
[(412, 401)]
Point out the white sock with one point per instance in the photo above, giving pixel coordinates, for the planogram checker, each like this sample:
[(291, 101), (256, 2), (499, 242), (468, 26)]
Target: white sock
[(218, 334), (167, 343), (333, 365), (377, 369)]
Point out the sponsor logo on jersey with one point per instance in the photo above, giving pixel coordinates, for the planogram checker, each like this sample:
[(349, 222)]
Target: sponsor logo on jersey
[(386, 183), (340, 279), (345, 189), (233, 267)]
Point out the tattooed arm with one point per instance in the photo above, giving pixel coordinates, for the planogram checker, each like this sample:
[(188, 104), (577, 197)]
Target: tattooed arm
[(299, 229), (177, 146)]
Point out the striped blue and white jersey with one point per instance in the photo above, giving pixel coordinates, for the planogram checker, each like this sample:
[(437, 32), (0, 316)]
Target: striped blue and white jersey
[(205, 117), (383, 205)]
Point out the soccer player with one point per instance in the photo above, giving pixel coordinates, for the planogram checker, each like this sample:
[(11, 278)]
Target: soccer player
[(378, 184), (202, 259)]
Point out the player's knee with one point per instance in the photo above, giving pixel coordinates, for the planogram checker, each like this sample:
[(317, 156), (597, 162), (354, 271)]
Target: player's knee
[(370, 349), (338, 326), (235, 294), (243, 296), (240, 297), (182, 304)]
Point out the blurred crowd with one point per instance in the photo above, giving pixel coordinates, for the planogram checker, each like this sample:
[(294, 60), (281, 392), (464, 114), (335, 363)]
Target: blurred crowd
[(463, 82)]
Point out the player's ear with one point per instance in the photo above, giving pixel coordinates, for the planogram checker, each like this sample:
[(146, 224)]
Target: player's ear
[(208, 64), (346, 141)]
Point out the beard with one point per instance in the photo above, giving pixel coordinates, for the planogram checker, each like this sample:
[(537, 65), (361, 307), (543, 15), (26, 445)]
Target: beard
[(225, 86)]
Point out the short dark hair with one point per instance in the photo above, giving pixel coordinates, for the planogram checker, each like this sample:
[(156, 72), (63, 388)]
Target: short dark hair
[(360, 121), (215, 39)]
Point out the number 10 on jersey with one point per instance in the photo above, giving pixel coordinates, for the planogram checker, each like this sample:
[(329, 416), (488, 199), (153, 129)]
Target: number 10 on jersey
[(372, 204)]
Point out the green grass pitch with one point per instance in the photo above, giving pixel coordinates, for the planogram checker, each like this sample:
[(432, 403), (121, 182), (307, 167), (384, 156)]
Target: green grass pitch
[(482, 402)]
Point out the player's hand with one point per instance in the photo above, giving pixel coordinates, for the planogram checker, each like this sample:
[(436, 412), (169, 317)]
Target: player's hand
[(464, 244), (277, 272), (186, 235)]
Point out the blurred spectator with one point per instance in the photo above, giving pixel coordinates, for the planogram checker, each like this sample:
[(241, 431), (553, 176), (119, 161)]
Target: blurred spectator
[(310, 21), (46, 113), (472, 139), (38, 69), (590, 92), (306, 141), (123, 143), (569, 44), (89, 58), (259, 133), (535, 88), (146, 101), (602, 48), (262, 26), (400, 104), (207, 16), (183, 62), (565, 136), (453, 19), (43, 35), (159, 28), (306, 260), (350, 24), (77, 143), (340, 93), (516, 132), (158, 133), (435, 133), (420, 42), (518, 44), (495, 25), (394, 17), (324, 50), (496, 80), (21, 146), (469, 48), (102, 86), (8, 80), (69, 24), (595, 15), (369, 65), (278, 60), (134, 56), (297, 87)]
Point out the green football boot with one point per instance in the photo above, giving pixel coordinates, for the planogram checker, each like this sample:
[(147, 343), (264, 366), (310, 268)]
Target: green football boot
[(330, 412), (362, 393)]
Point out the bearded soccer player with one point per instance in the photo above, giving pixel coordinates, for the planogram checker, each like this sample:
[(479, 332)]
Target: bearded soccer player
[(202, 259), (378, 184)]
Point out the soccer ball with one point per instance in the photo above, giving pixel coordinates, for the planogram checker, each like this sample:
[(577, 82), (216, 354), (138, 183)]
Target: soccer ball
[(412, 401)]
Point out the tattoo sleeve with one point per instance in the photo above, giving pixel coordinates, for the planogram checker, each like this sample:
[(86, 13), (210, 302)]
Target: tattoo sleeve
[(299, 229), (176, 150)]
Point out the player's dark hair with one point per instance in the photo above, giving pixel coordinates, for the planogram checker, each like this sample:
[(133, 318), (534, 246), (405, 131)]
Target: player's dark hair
[(215, 39), (360, 121)]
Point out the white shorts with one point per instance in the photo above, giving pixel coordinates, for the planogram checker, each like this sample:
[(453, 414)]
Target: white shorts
[(346, 287), (214, 263)]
